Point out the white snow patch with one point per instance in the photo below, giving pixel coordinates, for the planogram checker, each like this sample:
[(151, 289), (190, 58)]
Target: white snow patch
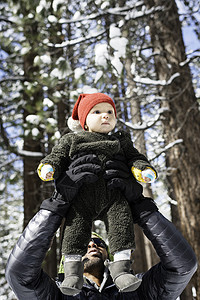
[(42, 4), (104, 4), (35, 132), (99, 74), (117, 64), (56, 3), (78, 72), (77, 15), (47, 102), (60, 74), (197, 93), (57, 134), (19, 144), (46, 59), (2, 186), (101, 55), (119, 44), (52, 19), (57, 94), (51, 121), (33, 119), (86, 89), (114, 31), (25, 50)]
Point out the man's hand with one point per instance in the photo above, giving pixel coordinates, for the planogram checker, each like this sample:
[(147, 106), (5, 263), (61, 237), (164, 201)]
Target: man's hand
[(84, 169), (118, 175), (142, 209)]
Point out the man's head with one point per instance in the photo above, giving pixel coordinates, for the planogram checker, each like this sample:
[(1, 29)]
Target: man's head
[(83, 106), (97, 253)]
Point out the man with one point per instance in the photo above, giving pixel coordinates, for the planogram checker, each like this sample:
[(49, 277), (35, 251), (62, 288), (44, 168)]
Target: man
[(166, 280), (94, 269)]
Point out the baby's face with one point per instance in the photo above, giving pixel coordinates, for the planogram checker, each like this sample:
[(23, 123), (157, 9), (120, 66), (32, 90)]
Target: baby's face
[(101, 118)]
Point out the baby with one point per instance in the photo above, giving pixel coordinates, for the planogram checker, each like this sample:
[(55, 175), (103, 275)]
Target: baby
[(93, 119)]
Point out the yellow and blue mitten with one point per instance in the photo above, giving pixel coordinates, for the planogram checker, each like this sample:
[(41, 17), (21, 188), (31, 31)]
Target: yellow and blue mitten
[(148, 172), (43, 169)]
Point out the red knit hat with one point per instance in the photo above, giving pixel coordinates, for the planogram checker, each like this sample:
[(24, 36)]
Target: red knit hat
[(83, 106)]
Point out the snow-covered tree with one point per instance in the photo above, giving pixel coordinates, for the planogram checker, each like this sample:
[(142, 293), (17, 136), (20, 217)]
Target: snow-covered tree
[(53, 50)]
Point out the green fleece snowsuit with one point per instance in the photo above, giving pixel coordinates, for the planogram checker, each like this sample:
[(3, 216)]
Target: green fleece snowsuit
[(94, 201)]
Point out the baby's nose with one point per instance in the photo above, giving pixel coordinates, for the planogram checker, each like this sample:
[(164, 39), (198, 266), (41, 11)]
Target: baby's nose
[(105, 116)]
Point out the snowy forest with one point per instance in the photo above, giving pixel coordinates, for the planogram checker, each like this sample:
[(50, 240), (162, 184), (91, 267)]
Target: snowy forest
[(144, 55)]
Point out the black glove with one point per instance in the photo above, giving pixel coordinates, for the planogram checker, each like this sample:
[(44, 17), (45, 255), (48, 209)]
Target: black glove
[(142, 209), (56, 203), (119, 175), (84, 169)]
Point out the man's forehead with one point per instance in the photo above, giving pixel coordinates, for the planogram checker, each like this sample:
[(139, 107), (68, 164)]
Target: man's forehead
[(93, 236)]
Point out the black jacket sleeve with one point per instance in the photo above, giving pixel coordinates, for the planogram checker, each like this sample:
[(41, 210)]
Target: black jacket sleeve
[(178, 263), (23, 270)]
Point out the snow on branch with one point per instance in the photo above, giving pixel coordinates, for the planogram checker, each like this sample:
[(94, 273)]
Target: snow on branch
[(128, 12), (14, 149), (78, 40), (143, 126), (29, 153), (167, 147), (6, 19), (149, 81), (140, 14), (188, 60), (112, 11)]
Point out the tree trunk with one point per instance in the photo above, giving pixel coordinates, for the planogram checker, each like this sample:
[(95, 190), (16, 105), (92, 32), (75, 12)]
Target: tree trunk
[(144, 255), (181, 120), (32, 183)]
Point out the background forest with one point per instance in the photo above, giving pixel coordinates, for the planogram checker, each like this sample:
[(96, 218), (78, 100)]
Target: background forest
[(145, 55)]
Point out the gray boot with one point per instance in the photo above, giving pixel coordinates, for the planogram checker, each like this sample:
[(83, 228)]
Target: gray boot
[(124, 280), (73, 281)]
